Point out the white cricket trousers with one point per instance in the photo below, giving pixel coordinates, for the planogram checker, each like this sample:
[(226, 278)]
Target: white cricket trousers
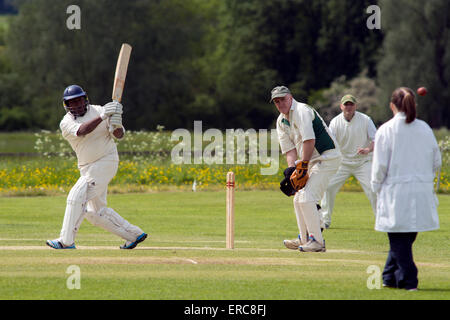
[(362, 172), (87, 199), (306, 200)]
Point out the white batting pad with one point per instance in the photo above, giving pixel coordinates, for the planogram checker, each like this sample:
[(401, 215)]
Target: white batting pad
[(111, 221), (75, 209)]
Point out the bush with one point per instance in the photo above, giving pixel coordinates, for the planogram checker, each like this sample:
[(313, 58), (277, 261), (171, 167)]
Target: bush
[(365, 90)]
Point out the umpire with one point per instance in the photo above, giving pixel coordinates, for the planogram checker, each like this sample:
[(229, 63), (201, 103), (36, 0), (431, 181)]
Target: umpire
[(405, 161)]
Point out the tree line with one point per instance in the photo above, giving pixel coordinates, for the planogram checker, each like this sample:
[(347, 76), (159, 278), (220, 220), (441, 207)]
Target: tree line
[(217, 60)]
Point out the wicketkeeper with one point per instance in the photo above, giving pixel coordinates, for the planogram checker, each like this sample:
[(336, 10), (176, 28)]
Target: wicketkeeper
[(313, 156), (91, 130)]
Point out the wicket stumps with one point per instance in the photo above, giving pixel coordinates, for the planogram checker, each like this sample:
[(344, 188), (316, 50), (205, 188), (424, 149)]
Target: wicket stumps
[(230, 210)]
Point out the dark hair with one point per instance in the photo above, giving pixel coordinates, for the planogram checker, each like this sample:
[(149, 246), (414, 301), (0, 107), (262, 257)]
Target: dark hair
[(405, 101)]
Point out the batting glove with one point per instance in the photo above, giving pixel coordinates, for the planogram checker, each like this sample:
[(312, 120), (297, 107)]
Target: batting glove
[(108, 110), (119, 107), (116, 120)]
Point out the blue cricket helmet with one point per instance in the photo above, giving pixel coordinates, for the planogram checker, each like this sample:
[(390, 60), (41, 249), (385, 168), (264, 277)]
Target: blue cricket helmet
[(72, 92)]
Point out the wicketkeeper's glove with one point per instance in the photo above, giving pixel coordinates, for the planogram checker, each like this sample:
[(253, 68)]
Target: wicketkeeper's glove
[(285, 184), (300, 175)]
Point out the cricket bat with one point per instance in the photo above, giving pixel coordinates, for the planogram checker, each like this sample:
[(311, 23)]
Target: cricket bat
[(120, 75), (121, 72)]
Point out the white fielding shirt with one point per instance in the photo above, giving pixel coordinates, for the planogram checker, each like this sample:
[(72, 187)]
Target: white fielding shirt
[(93, 146), (405, 161), (305, 124), (359, 132)]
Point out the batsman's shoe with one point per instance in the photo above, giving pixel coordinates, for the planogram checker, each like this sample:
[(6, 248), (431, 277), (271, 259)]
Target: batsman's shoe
[(313, 246), (56, 244), (132, 245), (293, 244)]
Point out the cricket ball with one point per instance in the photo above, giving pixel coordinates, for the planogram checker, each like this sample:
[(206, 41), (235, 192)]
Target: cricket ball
[(422, 91)]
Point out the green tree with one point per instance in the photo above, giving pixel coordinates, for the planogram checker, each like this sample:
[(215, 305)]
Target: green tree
[(165, 36), (417, 53), (302, 44), (12, 115), (210, 60), (364, 89)]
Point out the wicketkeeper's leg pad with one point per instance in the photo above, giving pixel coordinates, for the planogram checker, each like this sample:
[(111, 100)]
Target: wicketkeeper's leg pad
[(311, 218), (302, 229)]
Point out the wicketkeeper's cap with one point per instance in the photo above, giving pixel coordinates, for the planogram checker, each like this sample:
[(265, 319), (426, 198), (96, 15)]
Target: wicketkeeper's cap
[(348, 98), (278, 92)]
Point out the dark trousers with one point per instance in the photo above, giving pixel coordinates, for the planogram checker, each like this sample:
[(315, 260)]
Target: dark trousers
[(400, 270)]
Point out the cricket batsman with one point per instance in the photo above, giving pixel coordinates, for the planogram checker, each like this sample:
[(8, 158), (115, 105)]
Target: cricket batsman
[(313, 156), (87, 128)]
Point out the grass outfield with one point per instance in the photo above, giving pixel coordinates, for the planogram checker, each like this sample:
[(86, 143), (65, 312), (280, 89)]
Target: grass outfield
[(184, 257)]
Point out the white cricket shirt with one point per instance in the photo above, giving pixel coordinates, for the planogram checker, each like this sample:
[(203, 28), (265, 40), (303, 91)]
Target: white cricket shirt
[(305, 124), (95, 145), (359, 132)]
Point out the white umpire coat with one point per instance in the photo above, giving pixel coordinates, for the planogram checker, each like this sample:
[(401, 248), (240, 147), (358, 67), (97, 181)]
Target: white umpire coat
[(405, 160)]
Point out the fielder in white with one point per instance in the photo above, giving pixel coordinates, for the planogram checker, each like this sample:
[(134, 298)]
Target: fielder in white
[(304, 136), (355, 134), (91, 130)]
